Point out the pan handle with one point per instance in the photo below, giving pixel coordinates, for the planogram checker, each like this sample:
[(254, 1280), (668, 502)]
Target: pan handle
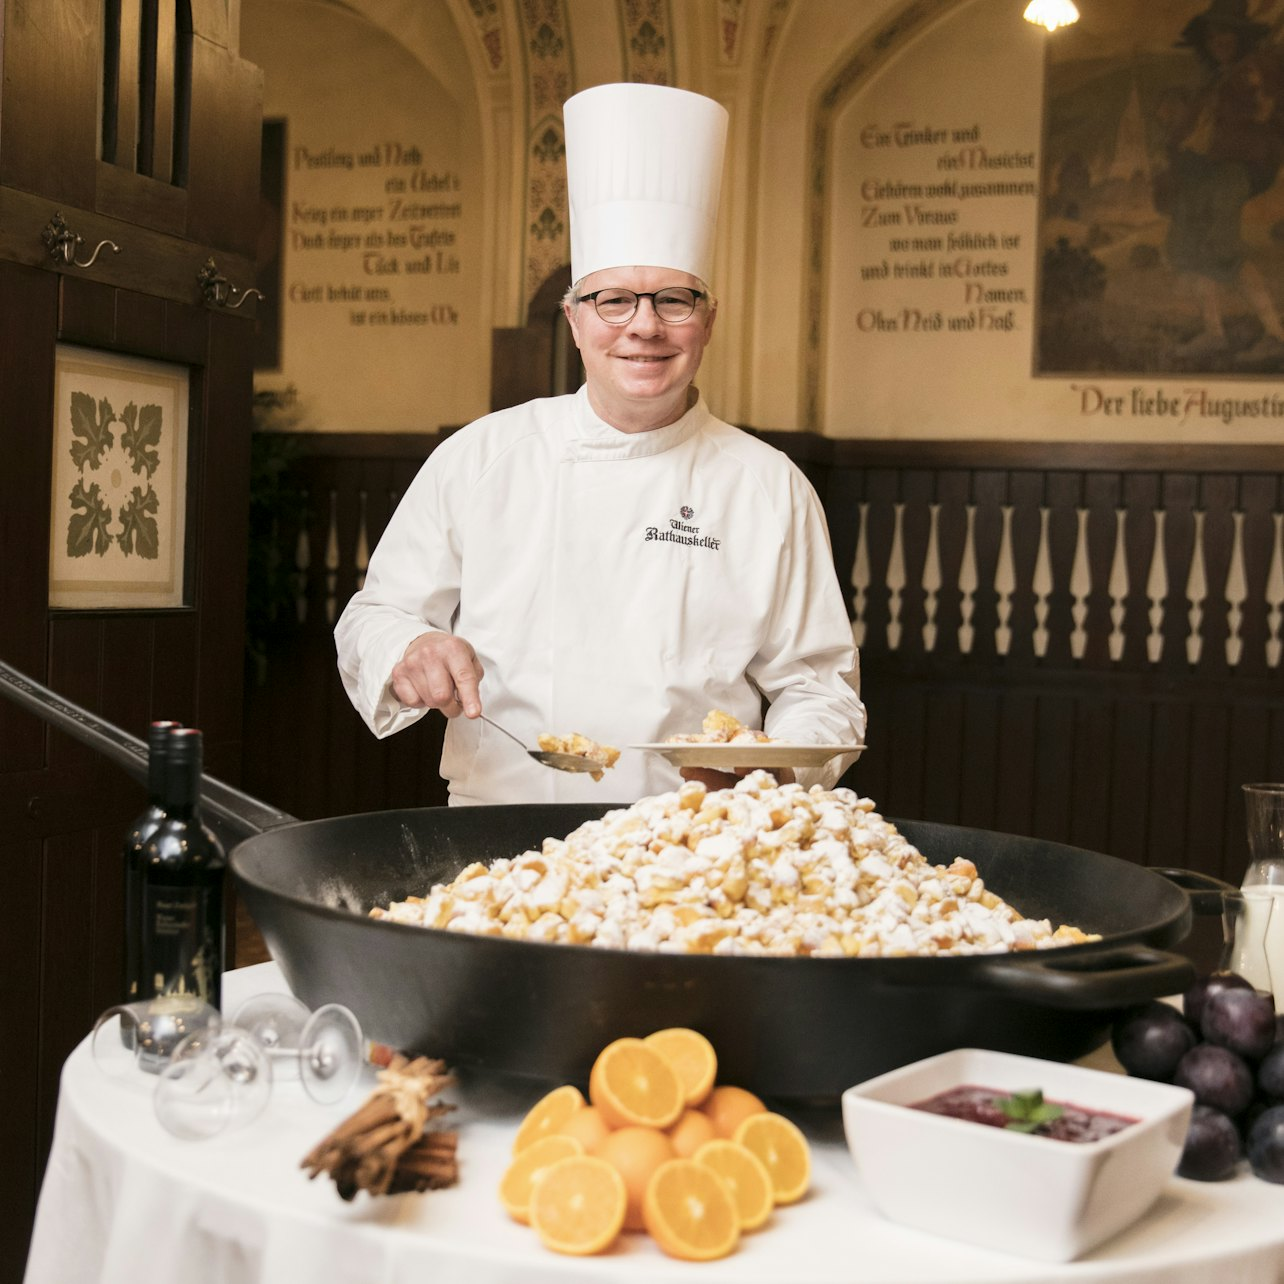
[(242, 815), (1118, 977), (1205, 890)]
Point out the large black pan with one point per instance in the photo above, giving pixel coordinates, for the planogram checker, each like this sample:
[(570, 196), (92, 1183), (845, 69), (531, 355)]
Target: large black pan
[(796, 1028)]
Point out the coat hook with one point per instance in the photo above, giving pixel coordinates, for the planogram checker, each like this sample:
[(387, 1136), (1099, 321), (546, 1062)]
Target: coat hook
[(61, 243), (218, 290)]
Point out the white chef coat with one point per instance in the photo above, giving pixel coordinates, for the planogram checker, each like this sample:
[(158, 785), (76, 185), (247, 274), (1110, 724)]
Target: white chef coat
[(620, 585)]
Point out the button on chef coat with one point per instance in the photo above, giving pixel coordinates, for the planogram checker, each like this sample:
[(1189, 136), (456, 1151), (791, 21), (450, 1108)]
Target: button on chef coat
[(619, 585)]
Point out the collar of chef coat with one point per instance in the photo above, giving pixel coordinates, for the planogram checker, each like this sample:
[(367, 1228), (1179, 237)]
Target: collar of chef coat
[(590, 439)]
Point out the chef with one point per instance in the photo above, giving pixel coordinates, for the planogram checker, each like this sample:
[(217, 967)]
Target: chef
[(617, 562)]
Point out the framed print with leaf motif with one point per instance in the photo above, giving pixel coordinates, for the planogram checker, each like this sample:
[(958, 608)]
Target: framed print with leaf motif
[(119, 503)]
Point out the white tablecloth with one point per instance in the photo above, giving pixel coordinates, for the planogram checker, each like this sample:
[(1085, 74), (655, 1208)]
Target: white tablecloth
[(124, 1201)]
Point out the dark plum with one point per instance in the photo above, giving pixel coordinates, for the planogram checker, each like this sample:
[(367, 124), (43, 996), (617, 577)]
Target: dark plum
[(1266, 1145), (1192, 1002), (1150, 1041), (1270, 1074), (1212, 1148), (1217, 1076), (1258, 1107), (1241, 1020)]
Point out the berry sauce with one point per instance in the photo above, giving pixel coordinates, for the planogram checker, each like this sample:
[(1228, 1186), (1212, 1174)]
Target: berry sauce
[(980, 1105)]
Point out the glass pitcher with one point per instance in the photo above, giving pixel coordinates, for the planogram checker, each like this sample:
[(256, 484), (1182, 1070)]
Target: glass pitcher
[(1264, 810), (1262, 927)]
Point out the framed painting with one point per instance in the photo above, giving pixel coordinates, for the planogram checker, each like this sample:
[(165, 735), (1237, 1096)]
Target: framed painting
[(1163, 224), (119, 504)]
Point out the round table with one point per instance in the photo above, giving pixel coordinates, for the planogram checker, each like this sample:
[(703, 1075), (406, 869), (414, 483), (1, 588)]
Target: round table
[(123, 1200)]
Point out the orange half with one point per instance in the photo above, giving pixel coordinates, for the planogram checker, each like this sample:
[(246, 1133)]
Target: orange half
[(631, 1083), (784, 1152), (548, 1115), (689, 1211), (518, 1181), (692, 1056), (578, 1206), (746, 1178)]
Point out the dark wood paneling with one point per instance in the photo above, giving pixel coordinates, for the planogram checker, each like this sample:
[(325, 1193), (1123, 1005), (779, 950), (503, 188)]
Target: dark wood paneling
[(1016, 763), (140, 324), (151, 261), (20, 1000), (26, 411), (979, 760), (64, 807), (223, 450), (122, 80), (942, 777), (162, 157), (66, 926), (49, 99), (1258, 499), (1204, 802), (1090, 800), (1054, 757), (1064, 496), (1098, 741), (1055, 456), (86, 312), (138, 199), (223, 184)]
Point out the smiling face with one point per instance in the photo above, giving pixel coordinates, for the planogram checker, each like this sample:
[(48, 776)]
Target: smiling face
[(639, 374)]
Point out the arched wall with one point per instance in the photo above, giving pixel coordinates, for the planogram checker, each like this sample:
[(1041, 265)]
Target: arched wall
[(1003, 239), (801, 340)]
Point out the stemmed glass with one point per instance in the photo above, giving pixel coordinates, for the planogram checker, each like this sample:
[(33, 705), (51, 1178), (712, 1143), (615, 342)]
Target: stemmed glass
[(150, 1030), (212, 1075), (322, 1048), (216, 1078)]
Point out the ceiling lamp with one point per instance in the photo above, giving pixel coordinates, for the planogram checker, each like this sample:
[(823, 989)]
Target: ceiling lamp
[(1051, 13)]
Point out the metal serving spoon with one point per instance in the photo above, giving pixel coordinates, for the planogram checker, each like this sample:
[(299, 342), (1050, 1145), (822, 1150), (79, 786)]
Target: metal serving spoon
[(546, 757)]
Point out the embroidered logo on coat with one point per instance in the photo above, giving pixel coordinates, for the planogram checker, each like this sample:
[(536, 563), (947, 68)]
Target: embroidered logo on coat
[(679, 531)]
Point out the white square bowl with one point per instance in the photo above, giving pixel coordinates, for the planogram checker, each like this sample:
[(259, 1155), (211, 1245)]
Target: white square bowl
[(1017, 1192)]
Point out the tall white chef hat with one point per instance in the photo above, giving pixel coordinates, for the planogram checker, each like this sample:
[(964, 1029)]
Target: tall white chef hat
[(643, 171)]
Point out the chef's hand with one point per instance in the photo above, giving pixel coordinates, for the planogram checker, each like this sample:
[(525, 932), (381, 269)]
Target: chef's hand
[(439, 671), (711, 779)]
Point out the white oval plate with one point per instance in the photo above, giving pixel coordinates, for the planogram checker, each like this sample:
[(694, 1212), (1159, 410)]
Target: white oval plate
[(726, 757)]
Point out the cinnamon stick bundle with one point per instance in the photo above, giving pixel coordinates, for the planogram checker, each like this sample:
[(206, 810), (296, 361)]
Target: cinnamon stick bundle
[(384, 1147)]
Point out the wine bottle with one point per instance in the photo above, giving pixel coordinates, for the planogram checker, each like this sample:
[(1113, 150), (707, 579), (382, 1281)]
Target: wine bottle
[(183, 939), (139, 832)]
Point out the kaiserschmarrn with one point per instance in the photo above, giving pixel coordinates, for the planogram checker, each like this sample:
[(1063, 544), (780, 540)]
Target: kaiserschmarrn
[(720, 728), (601, 756), (760, 868)]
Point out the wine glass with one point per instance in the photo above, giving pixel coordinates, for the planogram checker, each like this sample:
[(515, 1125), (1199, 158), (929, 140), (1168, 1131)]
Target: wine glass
[(217, 1078), (149, 1032), (322, 1048), (276, 1020)]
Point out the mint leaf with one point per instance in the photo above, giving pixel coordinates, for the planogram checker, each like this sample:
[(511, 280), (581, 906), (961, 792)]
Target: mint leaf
[(138, 516), (142, 433), (87, 527), (91, 429), (1026, 1111)]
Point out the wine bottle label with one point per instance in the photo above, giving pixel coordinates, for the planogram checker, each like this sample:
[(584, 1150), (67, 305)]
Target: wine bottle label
[(182, 926)]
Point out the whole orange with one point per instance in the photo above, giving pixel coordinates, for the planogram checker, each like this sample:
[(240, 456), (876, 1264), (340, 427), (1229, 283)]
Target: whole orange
[(728, 1107), (635, 1153), (587, 1126), (691, 1132)]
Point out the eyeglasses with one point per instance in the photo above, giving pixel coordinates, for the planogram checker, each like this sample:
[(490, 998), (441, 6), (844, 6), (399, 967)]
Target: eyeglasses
[(616, 306)]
